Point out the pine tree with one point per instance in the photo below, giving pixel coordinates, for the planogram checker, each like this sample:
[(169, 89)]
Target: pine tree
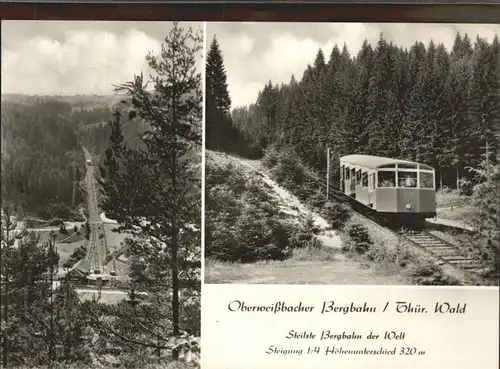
[(486, 217), (485, 100), (27, 333), (383, 127), (218, 101), (153, 191)]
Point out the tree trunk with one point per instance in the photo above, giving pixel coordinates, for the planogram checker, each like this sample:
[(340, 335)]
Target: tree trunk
[(175, 234), (458, 179)]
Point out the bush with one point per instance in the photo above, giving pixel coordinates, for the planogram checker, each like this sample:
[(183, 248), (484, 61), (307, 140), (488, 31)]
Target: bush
[(270, 159), (288, 169), (303, 236), (359, 240), (401, 256), (318, 199), (62, 229), (424, 271), (251, 237), (337, 214)]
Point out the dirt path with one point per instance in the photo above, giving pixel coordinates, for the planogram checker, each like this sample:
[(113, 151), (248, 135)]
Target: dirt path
[(291, 205)]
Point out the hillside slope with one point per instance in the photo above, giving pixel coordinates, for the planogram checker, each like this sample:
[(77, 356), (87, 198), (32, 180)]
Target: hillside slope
[(320, 262)]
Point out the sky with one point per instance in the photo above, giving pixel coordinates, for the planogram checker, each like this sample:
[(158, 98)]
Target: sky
[(71, 57), (255, 53)]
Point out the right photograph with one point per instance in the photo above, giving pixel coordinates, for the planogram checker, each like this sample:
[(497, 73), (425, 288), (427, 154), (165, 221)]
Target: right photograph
[(352, 153)]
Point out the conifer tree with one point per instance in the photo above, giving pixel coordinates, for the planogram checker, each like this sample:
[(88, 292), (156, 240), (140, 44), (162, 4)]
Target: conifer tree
[(218, 101), (484, 100), (153, 191), (486, 217), (27, 333), (427, 104)]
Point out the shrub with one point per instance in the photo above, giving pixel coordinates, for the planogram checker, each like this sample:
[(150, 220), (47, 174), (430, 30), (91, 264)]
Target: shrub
[(289, 169), (359, 240), (303, 235), (424, 271), (400, 256), (62, 229), (318, 199), (270, 159), (337, 214), (251, 237)]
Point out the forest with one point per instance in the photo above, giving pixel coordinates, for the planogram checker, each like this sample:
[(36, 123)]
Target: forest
[(426, 103), (42, 158)]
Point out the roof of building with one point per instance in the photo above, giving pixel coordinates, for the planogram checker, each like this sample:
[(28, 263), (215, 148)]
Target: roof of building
[(373, 162), (82, 267), (104, 277)]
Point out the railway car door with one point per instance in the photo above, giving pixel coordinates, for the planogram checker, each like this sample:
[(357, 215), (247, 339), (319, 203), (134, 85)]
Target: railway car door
[(371, 189), (353, 182)]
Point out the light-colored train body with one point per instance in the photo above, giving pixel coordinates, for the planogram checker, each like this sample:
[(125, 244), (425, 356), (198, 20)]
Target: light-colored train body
[(390, 186)]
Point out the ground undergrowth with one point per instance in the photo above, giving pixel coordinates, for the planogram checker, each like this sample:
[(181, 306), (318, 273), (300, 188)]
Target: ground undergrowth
[(363, 239), (240, 210)]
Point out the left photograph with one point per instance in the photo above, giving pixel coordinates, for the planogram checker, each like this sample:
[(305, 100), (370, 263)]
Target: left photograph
[(101, 172)]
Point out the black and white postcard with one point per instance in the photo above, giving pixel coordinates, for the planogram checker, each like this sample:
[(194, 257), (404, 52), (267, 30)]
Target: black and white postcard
[(101, 194)]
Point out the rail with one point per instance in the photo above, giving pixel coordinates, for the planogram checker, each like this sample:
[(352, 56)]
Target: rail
[(446, 253)]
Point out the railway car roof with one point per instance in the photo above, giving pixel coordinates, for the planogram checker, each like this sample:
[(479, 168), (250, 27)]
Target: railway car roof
[(373, 162)]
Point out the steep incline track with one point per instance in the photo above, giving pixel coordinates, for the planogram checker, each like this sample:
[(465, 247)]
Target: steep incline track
[(96, 252)]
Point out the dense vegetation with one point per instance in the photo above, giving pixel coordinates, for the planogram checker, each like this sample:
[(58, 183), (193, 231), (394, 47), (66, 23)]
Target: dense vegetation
[(243, 222), (150, 183), (42, 158), (424, 103)]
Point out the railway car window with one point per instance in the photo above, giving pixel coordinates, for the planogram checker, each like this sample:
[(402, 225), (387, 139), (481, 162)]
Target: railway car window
[(353, 174), (347, 173), (365, 179), (386, 179), (407, 179), (358, 177), (388, 166), (407, 166), (426, 180)]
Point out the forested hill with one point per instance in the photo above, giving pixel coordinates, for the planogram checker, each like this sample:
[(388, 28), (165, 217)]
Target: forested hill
[(42, 139), (425, 103)]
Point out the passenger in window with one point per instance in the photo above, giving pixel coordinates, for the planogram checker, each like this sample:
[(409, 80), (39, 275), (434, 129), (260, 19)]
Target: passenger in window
[(387, 183), (408, 182)]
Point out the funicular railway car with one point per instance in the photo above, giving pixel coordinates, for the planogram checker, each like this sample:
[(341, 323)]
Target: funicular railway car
[(393, 188)]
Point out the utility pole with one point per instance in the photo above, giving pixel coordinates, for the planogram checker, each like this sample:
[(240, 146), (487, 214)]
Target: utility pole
[(327, 172)]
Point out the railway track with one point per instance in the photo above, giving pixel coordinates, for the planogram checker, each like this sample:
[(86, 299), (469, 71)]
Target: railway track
[(447, 254)]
